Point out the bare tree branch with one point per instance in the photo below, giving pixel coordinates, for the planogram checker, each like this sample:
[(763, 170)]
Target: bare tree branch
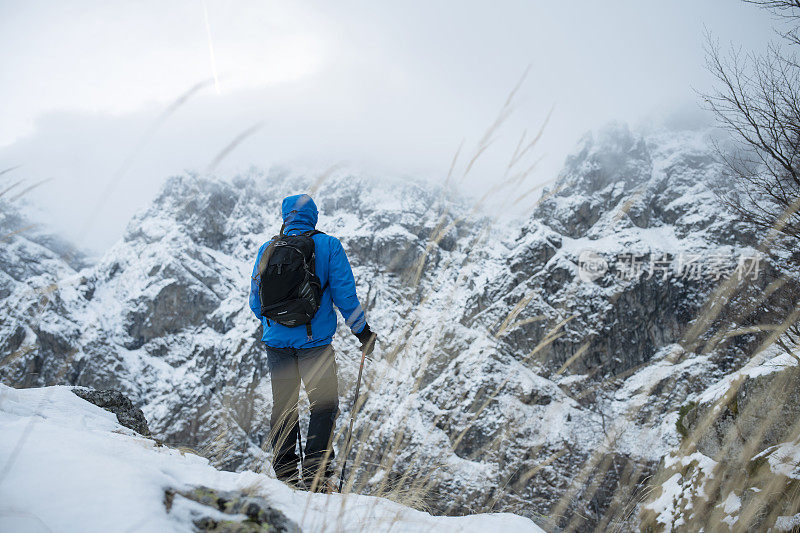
[(757, 100)]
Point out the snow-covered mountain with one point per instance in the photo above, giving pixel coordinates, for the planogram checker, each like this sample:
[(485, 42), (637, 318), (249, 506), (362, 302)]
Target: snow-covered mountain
[(538, 369)]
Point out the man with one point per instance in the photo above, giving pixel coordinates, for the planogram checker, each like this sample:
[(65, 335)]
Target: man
[(303, 352)]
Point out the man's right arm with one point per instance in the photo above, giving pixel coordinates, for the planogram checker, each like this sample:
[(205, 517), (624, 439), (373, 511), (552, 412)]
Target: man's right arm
[(255, 299)]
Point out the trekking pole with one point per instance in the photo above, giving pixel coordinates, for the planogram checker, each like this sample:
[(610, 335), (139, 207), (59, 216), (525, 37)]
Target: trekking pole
[(300, 442), (352, 416)]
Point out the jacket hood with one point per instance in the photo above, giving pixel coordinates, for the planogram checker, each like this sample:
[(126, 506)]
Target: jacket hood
[(299, 212)]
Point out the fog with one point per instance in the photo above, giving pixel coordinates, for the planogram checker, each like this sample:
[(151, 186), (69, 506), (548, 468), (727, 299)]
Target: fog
[(105, 100)]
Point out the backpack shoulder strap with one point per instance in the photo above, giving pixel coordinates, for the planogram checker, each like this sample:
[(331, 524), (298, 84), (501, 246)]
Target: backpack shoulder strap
[(311, 233), (262, 264)]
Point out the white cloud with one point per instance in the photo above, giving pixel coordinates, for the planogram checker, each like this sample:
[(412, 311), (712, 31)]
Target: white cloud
[(388, 87)]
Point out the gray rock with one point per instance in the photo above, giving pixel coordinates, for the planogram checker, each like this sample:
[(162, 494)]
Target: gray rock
[(261, 515), (128, 414)]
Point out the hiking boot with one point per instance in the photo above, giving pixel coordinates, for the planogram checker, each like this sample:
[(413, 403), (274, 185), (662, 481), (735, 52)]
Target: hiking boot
[(317, 480), (296, 484), (324, 486), (293, 481)]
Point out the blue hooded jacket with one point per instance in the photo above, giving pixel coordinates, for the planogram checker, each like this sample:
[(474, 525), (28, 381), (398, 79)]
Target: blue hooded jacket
[(332, 267)]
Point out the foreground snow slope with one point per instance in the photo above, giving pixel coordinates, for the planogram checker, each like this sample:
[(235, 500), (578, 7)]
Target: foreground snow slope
[(69, 466)]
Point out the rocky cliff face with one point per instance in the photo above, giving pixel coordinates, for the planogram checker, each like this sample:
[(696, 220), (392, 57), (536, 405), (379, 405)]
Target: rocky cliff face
[(32, 264), (644, 209), (539, 374)]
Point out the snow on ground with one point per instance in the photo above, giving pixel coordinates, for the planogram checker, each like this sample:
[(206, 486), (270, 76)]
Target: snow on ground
[(67, 465), (784, 458), (769, 360), (678, 492)]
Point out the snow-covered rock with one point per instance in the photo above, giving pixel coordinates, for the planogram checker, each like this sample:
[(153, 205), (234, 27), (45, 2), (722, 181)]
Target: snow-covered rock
[(737, 463)]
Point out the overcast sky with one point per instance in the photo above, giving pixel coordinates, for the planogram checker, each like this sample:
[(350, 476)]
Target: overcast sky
[(382, 87)]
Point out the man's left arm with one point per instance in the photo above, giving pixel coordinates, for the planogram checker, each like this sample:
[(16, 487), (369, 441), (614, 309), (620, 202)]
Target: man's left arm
[(343, 291), (343, 288)]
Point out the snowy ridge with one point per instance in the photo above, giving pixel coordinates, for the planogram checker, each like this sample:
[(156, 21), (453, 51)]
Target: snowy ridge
[(104, 477)]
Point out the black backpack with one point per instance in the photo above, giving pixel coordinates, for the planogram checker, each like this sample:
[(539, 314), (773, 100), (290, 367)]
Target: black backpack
[(290, 290)]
